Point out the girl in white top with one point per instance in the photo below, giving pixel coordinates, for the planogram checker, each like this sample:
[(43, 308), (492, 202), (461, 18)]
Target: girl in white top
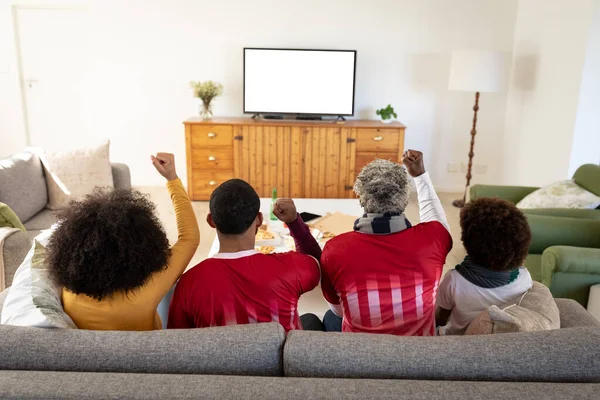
[(496, 236)]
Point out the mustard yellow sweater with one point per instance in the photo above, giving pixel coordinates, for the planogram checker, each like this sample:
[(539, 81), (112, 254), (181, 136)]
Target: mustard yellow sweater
[(136, 310)]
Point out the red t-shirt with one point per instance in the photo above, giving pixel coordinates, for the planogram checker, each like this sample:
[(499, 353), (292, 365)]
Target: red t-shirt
[(243, 288), (386, 283)]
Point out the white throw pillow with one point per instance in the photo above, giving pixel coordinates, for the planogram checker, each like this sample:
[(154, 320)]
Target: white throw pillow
[(563, 194), (34, 299), (70, 175)]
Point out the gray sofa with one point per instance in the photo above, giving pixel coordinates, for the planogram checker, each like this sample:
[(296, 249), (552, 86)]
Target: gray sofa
[(259, 361), (23, 189)]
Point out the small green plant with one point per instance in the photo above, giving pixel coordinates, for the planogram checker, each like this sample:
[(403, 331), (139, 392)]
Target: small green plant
[(387, 113)]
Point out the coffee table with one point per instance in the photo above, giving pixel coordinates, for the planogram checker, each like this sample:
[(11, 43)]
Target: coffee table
[(315, 206)]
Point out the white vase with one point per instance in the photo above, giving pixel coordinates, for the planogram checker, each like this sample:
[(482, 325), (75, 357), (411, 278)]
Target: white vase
[(387, 121)]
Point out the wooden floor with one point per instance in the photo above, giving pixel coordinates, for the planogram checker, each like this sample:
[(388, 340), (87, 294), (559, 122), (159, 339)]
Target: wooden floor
[(313, 301)]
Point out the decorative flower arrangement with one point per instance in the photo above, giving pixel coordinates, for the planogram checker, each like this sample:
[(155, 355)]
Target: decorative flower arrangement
[(206, 91)]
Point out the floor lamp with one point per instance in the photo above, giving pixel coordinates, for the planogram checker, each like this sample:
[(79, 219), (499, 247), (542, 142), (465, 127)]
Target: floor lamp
[(475, 71)]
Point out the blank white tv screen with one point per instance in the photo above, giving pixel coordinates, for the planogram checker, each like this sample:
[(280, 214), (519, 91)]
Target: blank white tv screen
[(299, 81)]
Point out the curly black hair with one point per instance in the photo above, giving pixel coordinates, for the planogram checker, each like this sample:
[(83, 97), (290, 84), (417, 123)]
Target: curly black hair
[(109, 242), (495, 234), (234, 206)]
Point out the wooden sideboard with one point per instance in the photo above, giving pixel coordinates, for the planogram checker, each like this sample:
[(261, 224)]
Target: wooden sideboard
[(302, 159)]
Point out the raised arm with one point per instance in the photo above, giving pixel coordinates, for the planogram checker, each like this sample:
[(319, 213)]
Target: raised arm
[(285, 210), (430, 206), (187, 228)]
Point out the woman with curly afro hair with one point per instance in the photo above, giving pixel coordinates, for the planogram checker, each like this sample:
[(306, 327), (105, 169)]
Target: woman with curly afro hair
[(112, 257), (496, 235)]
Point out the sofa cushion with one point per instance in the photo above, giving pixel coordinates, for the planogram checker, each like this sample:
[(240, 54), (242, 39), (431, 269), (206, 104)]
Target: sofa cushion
[(572, 314), (34, 299), (562, 194), (42, 220), (254, 349), (536, 310), (70, 175), (562, 355), (90, 385), (23, 185), (9, 219)]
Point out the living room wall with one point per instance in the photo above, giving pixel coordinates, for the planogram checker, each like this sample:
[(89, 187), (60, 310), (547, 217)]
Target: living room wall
[(550, 43), (143, 53)]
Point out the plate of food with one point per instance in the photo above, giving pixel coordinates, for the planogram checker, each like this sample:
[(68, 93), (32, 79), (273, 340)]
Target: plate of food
[(267, 238), (265, 249)]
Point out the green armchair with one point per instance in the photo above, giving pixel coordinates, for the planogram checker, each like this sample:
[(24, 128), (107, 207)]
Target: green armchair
[(565, 249)]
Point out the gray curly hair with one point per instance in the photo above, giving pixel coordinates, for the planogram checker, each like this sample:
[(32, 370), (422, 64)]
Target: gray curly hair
[(383, 187)]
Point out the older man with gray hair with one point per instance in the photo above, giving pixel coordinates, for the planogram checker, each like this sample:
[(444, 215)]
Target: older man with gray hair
[(383, 277)]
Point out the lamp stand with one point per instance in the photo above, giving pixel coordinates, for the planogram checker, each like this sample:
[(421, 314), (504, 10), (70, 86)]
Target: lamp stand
[(461, 202)]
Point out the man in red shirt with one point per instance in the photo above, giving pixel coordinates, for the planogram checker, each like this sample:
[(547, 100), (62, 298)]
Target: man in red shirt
[(240, 285), (383, 277)]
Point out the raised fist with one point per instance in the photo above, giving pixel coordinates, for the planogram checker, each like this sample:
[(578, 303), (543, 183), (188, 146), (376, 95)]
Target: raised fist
[(165, 165), (413, 160), (285, 210)]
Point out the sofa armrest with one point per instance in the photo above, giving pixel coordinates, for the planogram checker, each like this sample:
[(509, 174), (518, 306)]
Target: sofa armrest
[(14, 250), (572, 314), (548, 231), (514, 194), (121, 176)]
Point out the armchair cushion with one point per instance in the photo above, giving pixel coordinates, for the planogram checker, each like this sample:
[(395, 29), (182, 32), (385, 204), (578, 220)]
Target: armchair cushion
[(550, 231), (562, 194)]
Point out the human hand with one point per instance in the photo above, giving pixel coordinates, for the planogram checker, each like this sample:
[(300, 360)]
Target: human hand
[(165, 165), (413, 160), (285, 210)]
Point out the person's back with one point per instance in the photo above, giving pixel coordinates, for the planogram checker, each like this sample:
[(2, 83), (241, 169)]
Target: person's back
[(496, 235), (240, 285), (112, 257), (252, 288), (383, 277)]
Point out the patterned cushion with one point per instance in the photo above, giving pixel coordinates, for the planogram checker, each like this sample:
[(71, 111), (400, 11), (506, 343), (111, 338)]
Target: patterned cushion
[(23, 185), (563, 194), (536, 310), (70, 175), (9, 219)]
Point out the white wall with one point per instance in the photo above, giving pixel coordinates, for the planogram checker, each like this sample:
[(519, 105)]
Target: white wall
[(586, 138), (549, 49), (144, 53)]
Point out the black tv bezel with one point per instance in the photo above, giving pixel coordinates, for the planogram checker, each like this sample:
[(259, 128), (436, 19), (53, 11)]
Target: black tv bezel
[(298, 113)]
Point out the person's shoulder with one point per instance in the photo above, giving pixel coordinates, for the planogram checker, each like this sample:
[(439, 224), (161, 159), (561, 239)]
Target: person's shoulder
[(431, 226), (290, 257), (197, 270), (342, 238)]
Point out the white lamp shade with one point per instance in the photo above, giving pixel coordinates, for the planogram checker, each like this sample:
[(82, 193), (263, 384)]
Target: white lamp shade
[(477, 71)]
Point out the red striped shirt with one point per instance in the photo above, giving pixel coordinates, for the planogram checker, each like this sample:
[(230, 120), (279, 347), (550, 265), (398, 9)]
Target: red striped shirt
[(243, 288), (386, 283)]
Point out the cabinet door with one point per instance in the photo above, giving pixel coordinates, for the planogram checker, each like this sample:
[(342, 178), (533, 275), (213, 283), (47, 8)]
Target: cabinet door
[(269, 157), (328, 162)]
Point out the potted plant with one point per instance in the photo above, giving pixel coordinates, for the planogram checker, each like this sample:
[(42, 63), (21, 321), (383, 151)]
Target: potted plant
[(206, 92), (386, 114)]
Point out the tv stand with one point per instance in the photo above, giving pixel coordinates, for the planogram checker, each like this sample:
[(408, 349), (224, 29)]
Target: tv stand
[(340, 118), (256, 116)]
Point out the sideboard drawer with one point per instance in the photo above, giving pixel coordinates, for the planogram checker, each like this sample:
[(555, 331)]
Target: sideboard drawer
[(362, 159), (205, 182), (212, 135), (377, 139), (219, 158)]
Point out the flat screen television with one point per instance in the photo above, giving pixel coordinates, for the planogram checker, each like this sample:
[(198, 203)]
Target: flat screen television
[(299, 81)]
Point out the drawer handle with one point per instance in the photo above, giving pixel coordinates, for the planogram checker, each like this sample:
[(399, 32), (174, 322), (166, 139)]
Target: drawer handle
[(378, 138), (212, 183), (212, 135), (212, 158)]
